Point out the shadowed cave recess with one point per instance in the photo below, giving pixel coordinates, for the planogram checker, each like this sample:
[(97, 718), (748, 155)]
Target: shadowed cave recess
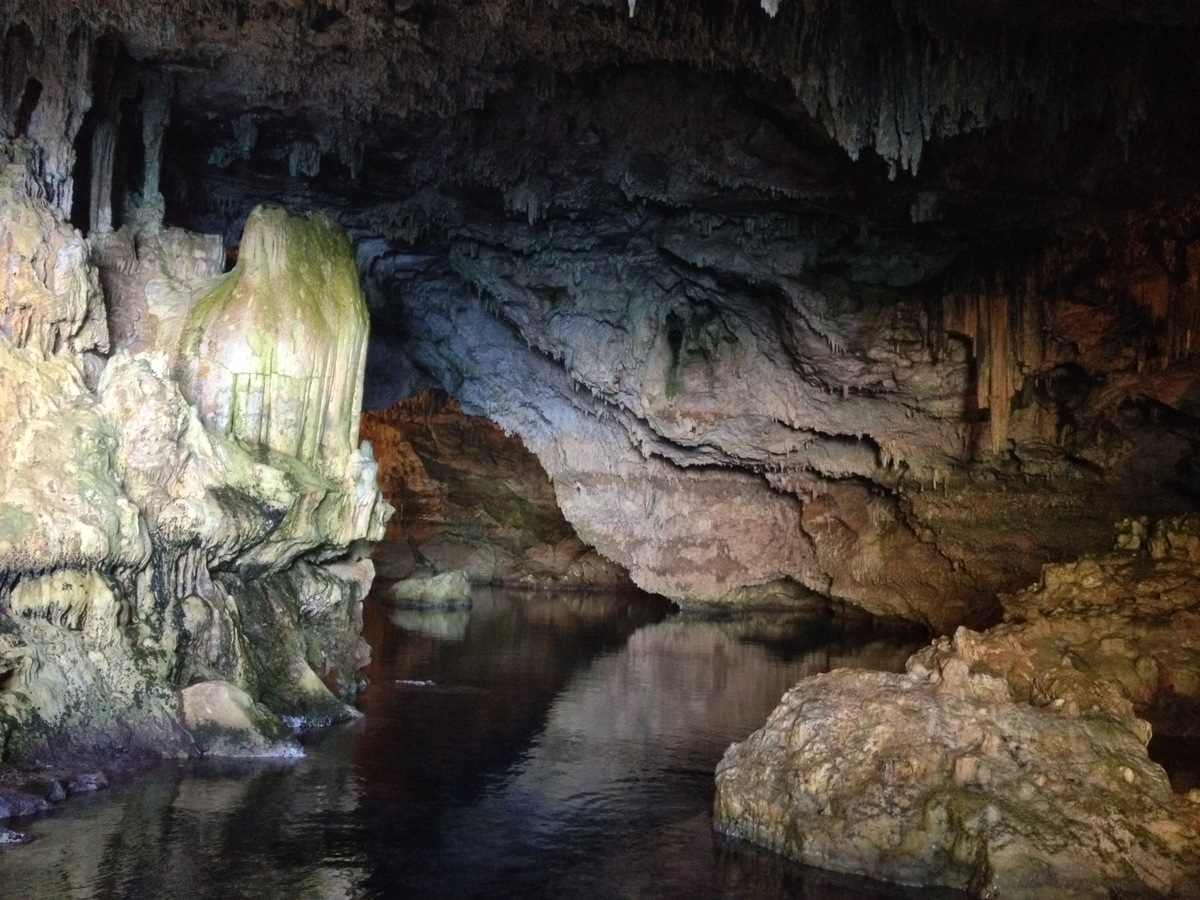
[(879, 306)]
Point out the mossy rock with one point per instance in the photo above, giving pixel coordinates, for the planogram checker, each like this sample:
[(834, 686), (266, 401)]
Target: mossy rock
[(273, 352)]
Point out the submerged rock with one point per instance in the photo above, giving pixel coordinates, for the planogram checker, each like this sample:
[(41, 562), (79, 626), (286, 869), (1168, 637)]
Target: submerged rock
[(225, 721), (86, 782), (443, 624), (20, 803)]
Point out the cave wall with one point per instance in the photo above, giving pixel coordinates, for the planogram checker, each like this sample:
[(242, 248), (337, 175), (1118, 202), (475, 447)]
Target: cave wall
[(743, 396), (889, 302), (172, 580)]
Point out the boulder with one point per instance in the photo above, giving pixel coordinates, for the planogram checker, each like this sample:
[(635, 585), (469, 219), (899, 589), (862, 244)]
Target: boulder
[(444, 589), (942, 780), (1010, 761), (224, 720)]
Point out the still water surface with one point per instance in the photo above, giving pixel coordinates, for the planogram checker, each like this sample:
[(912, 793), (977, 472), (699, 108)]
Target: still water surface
[(542, 745)]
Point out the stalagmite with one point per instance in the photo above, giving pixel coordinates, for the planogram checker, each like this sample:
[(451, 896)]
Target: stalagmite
[(299, 390)]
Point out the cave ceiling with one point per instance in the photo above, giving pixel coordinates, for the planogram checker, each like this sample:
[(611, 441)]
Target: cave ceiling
[(948, 128)]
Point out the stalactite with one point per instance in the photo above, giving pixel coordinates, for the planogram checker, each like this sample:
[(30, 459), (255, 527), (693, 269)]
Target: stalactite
[(1004, 320), (158, 88)]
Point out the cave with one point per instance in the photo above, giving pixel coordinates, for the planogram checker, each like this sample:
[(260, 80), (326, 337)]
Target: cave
[(786, 322)]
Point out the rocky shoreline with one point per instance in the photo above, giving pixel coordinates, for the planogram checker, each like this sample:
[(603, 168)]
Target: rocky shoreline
[(1010, 762)]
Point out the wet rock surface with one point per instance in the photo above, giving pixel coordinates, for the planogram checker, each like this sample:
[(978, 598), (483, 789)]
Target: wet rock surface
[(446, 590), (472, 499), (789, 299), (1117, 633), (1010, 761), (946, 781), (144, 544), (225, 721)]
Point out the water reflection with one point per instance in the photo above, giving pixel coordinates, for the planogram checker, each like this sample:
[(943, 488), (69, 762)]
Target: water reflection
[(204, 830), (543, 746), (443, 624)]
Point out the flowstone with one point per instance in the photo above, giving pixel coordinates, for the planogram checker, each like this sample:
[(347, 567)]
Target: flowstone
[(274, 353), (163, 587)]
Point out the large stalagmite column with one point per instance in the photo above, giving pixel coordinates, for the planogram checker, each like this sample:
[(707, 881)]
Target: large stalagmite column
[(274, 353)]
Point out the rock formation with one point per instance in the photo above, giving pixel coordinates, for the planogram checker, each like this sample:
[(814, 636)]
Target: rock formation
[(274, 353), (948, 782), (153, 551), (888, 303), (1010, 762), (773, 291), (473, 500)]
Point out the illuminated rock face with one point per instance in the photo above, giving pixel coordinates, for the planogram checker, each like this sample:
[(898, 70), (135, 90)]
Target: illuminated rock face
[(273, 354), (786, 297), (1014, 760), (143, 549), (942, 780), (892, 306)]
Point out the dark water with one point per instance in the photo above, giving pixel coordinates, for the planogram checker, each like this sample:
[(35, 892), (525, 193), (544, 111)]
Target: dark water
[(541, 746)]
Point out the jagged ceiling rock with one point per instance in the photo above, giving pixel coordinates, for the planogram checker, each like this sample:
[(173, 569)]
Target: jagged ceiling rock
[(889, 301)]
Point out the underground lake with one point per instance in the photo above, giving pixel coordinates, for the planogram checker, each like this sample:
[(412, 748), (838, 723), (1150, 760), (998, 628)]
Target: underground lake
[(540, 744)]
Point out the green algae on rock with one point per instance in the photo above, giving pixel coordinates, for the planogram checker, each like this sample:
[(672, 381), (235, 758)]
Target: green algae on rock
[(157, 545), (274, 353)]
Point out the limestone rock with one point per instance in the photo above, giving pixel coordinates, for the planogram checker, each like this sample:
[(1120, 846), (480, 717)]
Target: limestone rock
[(19, 803), (673, 489), (291, 639), (1031, 776), (714, 317), (714, 308), (75, 687), (451, 589), (199, 487), (50, 299), (915, 781), (225, 721), (141, 549), (274, 354), (149, 279), (474, 499), (61, 502), (1119, 633)]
